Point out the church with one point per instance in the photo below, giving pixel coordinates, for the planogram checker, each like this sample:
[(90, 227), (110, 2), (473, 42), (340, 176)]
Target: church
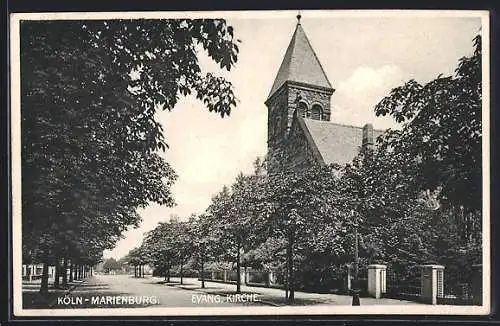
[(299, 113)]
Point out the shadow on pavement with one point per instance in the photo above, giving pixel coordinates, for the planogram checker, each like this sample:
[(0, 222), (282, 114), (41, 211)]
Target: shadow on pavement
[(32, 299), (88, 299)]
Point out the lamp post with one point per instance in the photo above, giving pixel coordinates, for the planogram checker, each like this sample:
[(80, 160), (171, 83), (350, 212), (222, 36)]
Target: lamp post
[(355, 290), (202, 247)]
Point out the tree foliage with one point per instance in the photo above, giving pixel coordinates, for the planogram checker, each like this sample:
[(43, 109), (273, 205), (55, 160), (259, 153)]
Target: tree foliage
[(439, 143), (90, 137), (413, 198), (426, 178)]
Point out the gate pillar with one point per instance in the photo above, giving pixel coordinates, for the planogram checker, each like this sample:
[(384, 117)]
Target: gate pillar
[(272, 278), (431, 283), (348, 278), (242, 276), (377, 280), (477, 284)]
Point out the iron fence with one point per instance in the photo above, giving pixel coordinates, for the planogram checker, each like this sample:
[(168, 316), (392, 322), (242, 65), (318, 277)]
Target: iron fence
[(403, 283)]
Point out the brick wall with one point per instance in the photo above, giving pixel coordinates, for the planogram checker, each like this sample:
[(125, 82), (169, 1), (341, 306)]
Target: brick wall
[(310, 97), (281, 108), (299, 151)]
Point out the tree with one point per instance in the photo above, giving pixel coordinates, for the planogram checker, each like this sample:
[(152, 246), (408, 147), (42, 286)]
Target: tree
[(158, 243), (182, 243), (205, 242), (439, 143), (419, 190), (236, 212), (90, 135), (303, 209), (111, 265), (133, 258)]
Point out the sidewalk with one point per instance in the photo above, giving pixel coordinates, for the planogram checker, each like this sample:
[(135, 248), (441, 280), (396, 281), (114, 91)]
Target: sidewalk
[(276, 297), (32, 299)]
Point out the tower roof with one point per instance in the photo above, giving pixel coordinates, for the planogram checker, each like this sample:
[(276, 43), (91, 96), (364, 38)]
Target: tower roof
[(300, 64)]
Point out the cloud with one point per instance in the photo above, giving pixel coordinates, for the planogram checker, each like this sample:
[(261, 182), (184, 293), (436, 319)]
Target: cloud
[(371, 80), (356, 96)]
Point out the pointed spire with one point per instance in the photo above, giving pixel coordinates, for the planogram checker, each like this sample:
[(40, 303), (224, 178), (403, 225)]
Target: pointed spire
[(300, 63)]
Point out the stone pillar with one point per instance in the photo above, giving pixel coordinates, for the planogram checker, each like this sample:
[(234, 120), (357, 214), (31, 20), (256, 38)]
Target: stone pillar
[(431, 283), (272, 278), (348, 278), (376, 280), (225, 275), (212, 273), (477, 284), (242, 277)]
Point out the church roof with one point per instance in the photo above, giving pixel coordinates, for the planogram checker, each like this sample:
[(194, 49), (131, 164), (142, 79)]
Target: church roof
[(336, 143), (300, 64)]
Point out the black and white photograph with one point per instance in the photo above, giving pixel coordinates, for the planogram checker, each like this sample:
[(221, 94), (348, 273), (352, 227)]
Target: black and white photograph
[(286, 162)]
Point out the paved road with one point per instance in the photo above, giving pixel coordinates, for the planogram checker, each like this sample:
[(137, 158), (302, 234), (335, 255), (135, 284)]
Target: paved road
[(125, 291)]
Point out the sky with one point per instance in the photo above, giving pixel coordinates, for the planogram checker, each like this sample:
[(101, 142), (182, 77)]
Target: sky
[(363, 55)]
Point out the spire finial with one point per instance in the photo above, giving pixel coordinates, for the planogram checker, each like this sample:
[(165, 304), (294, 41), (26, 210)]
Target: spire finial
[(298, 18)]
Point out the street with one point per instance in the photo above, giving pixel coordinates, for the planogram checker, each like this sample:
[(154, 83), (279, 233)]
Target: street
[(125, 291)]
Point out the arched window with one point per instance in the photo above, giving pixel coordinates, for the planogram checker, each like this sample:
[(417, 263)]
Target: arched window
[(302, 109), (316, 112)]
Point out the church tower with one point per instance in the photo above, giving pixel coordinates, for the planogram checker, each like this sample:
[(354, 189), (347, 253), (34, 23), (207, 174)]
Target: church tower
[(300, 84)]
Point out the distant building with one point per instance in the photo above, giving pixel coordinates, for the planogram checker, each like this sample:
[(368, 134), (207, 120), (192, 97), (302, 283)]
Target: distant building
[(299, 113)]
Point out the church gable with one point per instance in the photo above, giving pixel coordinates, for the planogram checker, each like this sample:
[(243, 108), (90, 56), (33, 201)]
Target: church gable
[(336, 143), (301, 149)]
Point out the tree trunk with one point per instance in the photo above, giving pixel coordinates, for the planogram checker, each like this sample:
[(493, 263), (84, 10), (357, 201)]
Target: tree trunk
[(168, 274), (238, 269), (71, 268), (291, 281), (57, 274), (356, 260), (286, 278), (165, 274), (143, 271), (65, 272), (44, 286), (182, 265), (203, 268)]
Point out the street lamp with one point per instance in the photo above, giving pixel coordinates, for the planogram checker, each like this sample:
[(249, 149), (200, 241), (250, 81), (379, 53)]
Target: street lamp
[(355, 290)]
